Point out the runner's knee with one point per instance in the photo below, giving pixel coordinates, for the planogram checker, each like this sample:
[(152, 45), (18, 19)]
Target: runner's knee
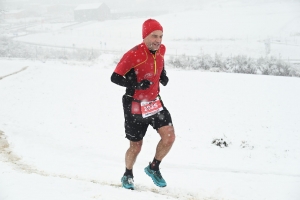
[(167, 135), (136, 147), (169, 140)]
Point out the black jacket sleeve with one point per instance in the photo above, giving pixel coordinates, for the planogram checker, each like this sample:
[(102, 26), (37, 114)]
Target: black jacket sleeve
[(163, 77), (120, 80)]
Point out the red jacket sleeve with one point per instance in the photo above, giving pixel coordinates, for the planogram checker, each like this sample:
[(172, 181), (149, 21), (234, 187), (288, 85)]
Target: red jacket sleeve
[(125, 64)]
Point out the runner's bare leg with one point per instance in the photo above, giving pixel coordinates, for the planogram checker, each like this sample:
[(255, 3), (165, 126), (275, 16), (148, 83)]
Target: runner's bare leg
[(132, 153), (167, 135)]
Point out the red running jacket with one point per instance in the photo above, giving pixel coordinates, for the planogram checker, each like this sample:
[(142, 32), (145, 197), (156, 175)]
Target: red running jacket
[(139, 63)]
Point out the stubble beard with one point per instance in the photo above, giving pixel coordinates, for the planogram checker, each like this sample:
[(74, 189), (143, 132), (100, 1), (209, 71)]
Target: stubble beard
[(153, 47)]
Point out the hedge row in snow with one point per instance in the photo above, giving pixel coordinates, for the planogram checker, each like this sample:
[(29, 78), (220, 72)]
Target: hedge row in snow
[(11, 49), (235, 64)]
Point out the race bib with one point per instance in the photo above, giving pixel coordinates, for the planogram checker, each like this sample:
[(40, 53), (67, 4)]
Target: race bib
[(150, 108)]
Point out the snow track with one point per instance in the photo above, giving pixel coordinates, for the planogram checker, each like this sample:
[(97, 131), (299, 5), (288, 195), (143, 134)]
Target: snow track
[(8, 156), (2, 77)]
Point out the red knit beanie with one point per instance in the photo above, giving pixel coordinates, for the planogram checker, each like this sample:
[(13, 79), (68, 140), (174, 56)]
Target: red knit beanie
[(149, 26)]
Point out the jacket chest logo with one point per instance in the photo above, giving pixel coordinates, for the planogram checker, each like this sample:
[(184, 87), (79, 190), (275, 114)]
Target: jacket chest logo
[(148, 76)]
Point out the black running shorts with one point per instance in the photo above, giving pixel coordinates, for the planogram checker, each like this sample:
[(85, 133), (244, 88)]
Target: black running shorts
[(136, 126)]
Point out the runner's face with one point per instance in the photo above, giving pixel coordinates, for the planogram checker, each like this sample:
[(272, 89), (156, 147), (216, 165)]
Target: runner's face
[(153, 40)]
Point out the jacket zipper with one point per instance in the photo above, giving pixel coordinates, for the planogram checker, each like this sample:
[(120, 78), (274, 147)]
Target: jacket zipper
[(154, 56)]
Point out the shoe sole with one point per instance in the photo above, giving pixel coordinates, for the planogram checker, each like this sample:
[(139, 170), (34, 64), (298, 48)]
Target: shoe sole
[(146, 171), (128, 188)]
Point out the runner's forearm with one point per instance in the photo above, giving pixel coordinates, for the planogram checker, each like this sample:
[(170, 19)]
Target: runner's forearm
[(120, 80)]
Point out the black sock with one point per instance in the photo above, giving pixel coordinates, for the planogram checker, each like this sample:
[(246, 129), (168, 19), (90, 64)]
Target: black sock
[(128, 172), (155, 165)]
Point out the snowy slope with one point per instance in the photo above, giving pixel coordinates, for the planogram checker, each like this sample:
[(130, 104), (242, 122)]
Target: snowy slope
[(227, 28), (61, 125), (63, 136)]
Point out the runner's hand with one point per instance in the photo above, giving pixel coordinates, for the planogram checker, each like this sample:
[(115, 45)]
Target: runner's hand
[(143, 85), (164, 80)]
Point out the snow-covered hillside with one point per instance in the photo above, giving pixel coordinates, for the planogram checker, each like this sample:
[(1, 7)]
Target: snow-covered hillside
[(62, 135), (61, 124), (224, 28)]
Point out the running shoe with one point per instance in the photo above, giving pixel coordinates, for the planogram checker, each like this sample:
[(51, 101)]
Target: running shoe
[(156, 177), (127, 182)]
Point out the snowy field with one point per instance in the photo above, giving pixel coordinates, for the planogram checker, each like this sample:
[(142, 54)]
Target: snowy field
[(224, 28), (62, 136), (61, 125)]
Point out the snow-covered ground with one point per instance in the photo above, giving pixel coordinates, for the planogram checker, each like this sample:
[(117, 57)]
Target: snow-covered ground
[(61, 125), (224, 28), (62, 135)]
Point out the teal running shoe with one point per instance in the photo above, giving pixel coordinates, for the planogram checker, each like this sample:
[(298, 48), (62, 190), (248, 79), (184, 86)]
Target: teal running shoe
[(127, 182), (156, 177)]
